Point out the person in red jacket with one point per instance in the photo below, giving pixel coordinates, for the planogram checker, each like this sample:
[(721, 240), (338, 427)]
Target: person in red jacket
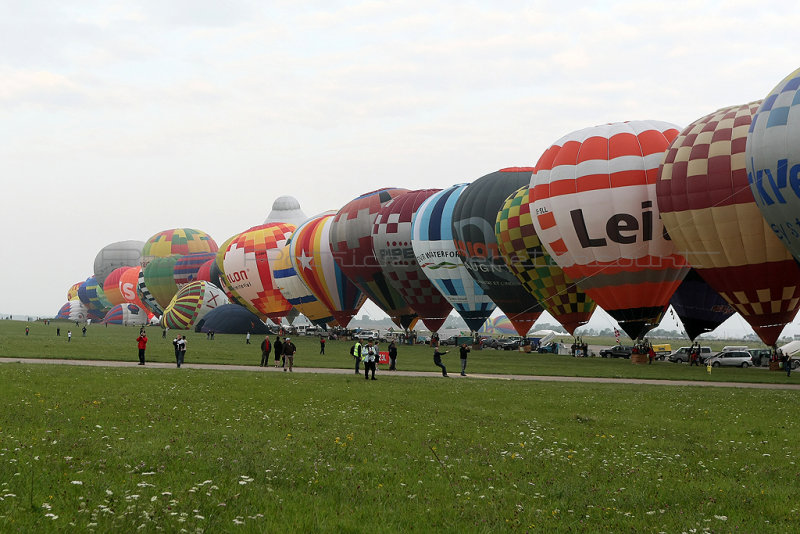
[(142, 340)]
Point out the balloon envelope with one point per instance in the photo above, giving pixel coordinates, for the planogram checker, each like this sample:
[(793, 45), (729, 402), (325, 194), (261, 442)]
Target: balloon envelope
[(191, 303), (115, 255), (177, 241), (159, 276), (93, 297), (111, 287), (231, 319), (474, 218), (312, 258), (437, 256), (391, 243), (595, 204), (711, 215), (127, 315), (73, 310), (539, 275), (699, 307), (351, 243), (286, 209), (187, 267)]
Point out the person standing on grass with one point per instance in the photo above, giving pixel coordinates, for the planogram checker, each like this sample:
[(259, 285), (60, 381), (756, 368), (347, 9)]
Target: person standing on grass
[(182, 353), (69, 336), (266, 348), (58, 331), (355, 351), (288, 353), (27, 330), (464, 350), (437, 360), (392, 356), (142, 344), (370, 361), (278, 350), (84, 331), (247, 339), (322, 345)]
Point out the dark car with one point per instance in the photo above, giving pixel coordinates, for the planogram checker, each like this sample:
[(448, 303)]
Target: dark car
[(452, 340), (617, 351), (511, 343), (760, 356)]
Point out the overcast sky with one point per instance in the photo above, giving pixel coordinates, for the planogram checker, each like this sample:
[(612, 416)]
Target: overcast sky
[(122, 119)]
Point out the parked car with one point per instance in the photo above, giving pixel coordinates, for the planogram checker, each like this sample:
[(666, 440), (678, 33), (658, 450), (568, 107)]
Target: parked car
[(682, 354), (617, 351), (733, 358), (368, 335), (490, 343), (550, 348), (760, 356), (511, 343)]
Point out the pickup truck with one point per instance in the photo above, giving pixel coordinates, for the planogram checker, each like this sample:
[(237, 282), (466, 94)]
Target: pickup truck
[(617, 351)]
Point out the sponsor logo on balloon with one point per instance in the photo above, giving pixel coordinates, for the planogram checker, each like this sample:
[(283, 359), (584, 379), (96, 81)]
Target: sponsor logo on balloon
[(129, 291), (238, 279), (622, 228), (776, 182), (396, 254)]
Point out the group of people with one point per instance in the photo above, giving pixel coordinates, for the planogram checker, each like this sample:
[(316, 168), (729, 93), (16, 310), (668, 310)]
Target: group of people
[(369, 354), (463, 350), (284, 352)]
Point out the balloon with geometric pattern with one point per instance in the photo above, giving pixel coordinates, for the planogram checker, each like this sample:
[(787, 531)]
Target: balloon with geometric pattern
[(159, 276), (247, 269), (147, 298), (312, 258), (391, 243), (594, 202), (93, 297), (436, 254), (72, 292), (73, 310), (187, 266), (712, 217), (525, 256), (127, 314), (351, 243), (474, 219), (191, 303), (176, 241)]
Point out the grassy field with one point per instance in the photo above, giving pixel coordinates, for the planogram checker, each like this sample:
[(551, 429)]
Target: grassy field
[(119, 343), (140, 449)]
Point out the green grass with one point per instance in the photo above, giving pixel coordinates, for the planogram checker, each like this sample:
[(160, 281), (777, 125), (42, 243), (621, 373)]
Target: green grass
[(119, 343), (121, 449)]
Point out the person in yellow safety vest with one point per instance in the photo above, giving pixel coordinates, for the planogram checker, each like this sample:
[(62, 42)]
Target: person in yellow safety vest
[(355, 352)]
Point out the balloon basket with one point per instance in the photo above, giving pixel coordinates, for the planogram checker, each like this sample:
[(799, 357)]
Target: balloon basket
[(775, 366), (639, 358)]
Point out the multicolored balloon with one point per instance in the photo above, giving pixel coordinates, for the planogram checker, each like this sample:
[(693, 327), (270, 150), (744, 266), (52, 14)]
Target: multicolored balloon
[(73, 310), (187, 267), (127, 314), (72, 292), (351, 243), (115, 255), (159, 276), (204, 273), (437, 256), (147, 298), (177, 241), (499, 325), (698, 306), (247, 269), (474, 218), (312, 258), (191, 303), (712, 217), (527, 259), (92, 296), (773, 160), (391, 243), (127, 285), (595, 204), (111, 287), (296, 291)]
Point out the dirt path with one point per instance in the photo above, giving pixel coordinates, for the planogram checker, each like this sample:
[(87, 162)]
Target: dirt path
[(388, 374)]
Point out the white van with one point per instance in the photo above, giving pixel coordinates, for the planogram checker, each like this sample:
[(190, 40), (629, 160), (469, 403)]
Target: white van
[(735, 348)]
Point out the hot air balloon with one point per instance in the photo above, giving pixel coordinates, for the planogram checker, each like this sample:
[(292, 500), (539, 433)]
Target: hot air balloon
[(391, 243), (499, 325), (177, 241), (474, 218), (699, 307), (773, 160), (216, 272), (111, 287), (248, 273), (296, 291), (72, 292), (711, 216), (187, 267), (127, 315), (351, 243), (146, 298), (525, 256), (312, 258), (231, 319), (437, 256), (92, 296), (115, 255), (159, 276), (127, 285), (204, 273), (596, 214), (73, 310), (286, 210), (191, 303)]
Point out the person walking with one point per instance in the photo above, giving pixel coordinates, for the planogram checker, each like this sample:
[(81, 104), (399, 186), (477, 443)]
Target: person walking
[(176, 344), (84, 330), (278, 350), (463, 353), (787, 362), (142, 343), (69, 336), (355, 351), (288, 353), (437, 360), (266, 348), (392, 356), (182, 353), (370, 361), (322, 345), (27, 330), (247, 339), (58, 331)]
